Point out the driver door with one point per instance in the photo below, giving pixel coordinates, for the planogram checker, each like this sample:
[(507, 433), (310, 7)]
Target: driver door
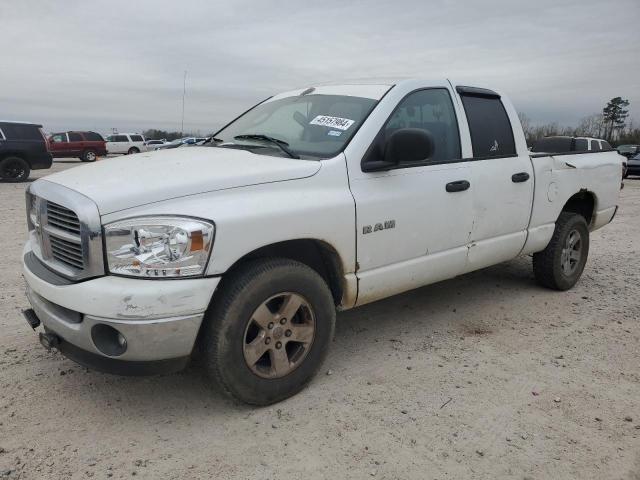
[(414, 221)]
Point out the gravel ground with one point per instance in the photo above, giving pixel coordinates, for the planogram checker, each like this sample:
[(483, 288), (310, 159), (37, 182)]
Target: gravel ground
[(484, 376)]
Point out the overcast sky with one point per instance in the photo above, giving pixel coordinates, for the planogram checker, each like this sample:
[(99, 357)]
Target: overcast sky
[(77, 64)]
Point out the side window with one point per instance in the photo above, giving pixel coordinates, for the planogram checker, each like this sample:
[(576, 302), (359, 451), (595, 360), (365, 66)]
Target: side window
[(75, 137), (120, 138), (595, 145), (491, 133), (22, 132), (581, 145), (93, 137), (430, 110), (59, 137), (606, 145), (136, 138)]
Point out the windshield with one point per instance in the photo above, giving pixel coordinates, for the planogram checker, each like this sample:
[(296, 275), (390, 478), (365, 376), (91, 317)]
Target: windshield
[(311, 125)]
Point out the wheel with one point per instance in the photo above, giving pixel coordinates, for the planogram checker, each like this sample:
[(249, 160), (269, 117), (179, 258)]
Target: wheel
[(14, 169), (560, 265), (133, 150), (268, 330), (89, 156)]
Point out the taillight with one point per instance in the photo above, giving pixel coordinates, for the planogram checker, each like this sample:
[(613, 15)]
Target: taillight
[(44, 137)]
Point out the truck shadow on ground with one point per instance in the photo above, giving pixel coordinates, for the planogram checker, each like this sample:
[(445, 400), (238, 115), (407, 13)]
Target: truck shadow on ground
[(188, 394)]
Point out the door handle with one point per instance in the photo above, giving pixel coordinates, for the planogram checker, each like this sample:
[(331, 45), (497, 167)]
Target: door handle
[(458, 186), (520, 177)]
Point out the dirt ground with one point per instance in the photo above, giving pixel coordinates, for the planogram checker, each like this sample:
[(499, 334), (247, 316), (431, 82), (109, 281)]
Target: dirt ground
[(486, 376)]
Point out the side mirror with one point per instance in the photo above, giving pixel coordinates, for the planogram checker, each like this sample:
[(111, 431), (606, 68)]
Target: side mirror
[(409, 145), (403, 147)]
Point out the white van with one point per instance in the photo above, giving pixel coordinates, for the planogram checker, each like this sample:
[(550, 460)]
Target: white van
[(126, 143)]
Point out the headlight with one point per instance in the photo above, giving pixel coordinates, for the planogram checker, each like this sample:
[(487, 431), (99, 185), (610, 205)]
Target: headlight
[(32, 211), (158, 247)]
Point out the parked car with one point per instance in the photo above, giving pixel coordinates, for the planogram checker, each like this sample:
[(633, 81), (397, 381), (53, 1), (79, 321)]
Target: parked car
[(633, 165), (628, 150), (314, 200), (570, 144), (87, 146), (188, 141), (23, 148), (153, 144), (126, 143)]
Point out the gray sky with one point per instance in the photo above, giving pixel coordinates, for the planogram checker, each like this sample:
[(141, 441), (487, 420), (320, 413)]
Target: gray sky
[(77, 64)]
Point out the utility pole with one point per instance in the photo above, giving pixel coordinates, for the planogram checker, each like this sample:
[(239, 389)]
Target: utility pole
[(184, 92)]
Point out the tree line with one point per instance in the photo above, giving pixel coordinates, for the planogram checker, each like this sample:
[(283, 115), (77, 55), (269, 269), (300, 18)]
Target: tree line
[(611, 125), (154, 134)]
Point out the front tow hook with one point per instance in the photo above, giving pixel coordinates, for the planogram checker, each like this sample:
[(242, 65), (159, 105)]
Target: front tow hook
[(49, 340), (31, 318)]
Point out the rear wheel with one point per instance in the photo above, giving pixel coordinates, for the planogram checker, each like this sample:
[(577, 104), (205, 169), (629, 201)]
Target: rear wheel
[(14, 169), (89, 156), (560, 265), (133, 150), (268, 330)]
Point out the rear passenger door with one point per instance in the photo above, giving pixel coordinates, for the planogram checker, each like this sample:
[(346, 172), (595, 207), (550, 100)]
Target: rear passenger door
[(76, 144), (501, 179)]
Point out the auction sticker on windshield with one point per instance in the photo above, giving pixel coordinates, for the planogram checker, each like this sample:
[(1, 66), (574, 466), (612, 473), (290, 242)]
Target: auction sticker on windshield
[(332, 122)]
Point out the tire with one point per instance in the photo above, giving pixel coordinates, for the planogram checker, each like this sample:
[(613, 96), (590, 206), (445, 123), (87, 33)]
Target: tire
[(89, 156), (14, 169), (133, 150), (230, 330), (560, 265)]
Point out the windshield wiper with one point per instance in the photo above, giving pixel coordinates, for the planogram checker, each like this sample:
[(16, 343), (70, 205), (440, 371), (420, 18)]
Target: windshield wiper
[(279, 143)]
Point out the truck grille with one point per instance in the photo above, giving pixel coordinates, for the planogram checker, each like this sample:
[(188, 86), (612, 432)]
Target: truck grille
[(65, 247), (63, 218), (67, 234)]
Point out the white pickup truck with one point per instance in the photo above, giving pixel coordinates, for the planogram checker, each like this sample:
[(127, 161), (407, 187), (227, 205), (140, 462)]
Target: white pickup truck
[(314, 200)]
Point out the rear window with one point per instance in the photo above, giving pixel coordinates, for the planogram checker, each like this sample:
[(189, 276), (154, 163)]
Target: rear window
[(75, 137), (582, 145), (136, 138), (491, 133), (21, 132), (93, 137)]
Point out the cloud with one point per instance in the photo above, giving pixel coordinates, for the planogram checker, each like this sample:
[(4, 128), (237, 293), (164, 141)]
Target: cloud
[(99, 65)]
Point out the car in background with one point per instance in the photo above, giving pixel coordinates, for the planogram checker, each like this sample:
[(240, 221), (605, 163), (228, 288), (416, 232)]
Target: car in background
[(87, 146), (23, 147), (181, 142), (633, 165), (126, 143), (628, 150), (564, 144), (152, 144)]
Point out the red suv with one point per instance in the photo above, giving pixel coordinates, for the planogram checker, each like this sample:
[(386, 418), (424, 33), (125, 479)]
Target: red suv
[(87, 146)]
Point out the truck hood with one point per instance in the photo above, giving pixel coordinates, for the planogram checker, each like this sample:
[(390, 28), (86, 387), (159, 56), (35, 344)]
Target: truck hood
[(133, 180)]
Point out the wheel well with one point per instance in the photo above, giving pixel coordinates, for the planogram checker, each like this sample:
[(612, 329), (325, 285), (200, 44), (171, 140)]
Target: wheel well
[(318, 255), (583, 203)]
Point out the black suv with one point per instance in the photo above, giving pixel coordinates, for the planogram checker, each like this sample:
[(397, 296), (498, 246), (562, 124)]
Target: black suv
[(22, 148)]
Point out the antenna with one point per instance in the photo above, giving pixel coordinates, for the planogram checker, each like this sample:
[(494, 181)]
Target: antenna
[(184, 92)]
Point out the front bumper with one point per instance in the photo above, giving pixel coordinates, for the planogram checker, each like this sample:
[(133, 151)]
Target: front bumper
[(159, 319)]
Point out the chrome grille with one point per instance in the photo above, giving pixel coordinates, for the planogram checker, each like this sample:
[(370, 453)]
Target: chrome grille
[(66, 252), (63, 218), (66, 232)]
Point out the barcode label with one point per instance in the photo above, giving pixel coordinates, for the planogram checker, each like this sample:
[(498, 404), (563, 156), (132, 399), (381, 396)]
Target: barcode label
[(332, 122)]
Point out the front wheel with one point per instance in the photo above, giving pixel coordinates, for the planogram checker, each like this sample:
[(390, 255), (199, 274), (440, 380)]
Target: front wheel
[(560, 265), (268, 330), (14, 169)]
